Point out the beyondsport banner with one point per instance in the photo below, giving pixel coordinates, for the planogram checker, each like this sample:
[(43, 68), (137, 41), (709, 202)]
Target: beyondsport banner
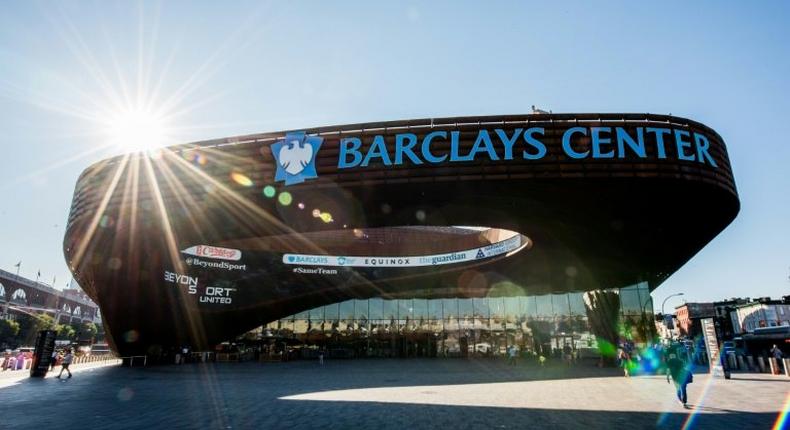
[(493, 250)]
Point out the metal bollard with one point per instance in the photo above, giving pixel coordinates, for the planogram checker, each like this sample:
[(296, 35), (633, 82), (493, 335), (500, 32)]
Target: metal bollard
[(761, 364), (786, 363), (741, 363), (733, 364), (750, 360)]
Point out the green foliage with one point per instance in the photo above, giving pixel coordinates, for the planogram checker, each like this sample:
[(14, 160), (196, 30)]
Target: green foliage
[(30, 325), (65, 332), (8, 330), (607, 349), (88, 331)]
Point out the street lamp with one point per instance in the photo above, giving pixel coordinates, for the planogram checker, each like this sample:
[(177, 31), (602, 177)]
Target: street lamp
[(665, 301), (662, 310)]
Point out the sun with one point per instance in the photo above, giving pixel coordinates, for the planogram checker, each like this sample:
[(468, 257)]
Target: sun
[(137, 129)]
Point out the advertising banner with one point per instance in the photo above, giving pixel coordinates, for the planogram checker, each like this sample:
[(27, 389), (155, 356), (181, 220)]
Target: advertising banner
[(712, 346)]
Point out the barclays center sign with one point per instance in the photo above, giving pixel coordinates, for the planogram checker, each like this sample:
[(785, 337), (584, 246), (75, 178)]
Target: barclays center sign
[(295, 154)]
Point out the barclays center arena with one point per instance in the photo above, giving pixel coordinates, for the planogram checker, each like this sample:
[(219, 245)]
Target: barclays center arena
[(428, 237)]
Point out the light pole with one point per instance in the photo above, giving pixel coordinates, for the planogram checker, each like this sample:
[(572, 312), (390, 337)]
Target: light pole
[(665, 301), (662, 310)]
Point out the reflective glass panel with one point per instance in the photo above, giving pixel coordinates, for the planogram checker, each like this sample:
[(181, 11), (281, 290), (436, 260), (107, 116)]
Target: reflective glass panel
[(361, 309), (435, 309), (347, 310), (465, 308), (544, 306), (420, 308), (376, 308), (560, 305), (577, 304), (481, 308), (390, 309), (450, 308), (405, 309)]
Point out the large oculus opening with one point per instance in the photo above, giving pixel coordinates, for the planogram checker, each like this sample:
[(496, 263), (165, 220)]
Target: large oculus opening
[(389, 246)]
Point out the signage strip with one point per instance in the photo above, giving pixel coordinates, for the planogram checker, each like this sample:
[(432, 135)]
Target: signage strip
[(489, 251)]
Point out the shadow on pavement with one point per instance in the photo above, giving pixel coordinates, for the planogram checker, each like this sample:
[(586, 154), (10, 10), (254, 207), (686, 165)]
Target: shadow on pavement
[(250, 395)]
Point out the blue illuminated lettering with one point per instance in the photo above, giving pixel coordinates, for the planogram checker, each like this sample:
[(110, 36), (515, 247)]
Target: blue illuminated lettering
[(637, 146), (566, 142), (508, 141), (379, 150), (401, 148), (682, 145), (483, 144), (702, 149), (349, 145), (454, 135), (426, 147), (535, 143), (659, 132), (598, 140)]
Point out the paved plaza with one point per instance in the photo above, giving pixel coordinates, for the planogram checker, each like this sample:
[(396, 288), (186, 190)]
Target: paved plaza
[(383, 394)]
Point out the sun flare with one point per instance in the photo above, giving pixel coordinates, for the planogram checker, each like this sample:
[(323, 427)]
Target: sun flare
[(137, 129)]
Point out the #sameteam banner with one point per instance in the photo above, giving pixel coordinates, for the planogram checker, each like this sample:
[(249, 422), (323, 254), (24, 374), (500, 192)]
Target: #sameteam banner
[(489, 251)]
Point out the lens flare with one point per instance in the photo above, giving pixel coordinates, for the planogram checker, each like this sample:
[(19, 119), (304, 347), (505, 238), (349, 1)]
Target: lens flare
[(241, 179), (326, 217), (285, 198), (269, 191), (784, 416)]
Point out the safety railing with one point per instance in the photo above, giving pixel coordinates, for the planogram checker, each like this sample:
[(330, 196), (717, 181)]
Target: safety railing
[(131, 360)]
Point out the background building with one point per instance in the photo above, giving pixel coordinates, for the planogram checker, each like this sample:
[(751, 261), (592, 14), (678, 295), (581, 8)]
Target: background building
[(763, 312)]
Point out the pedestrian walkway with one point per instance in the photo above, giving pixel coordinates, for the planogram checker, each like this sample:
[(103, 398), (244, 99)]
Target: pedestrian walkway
[(8, 378), (387, 394)]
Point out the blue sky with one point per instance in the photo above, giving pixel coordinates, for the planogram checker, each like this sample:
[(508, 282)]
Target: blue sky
[(229, 68)]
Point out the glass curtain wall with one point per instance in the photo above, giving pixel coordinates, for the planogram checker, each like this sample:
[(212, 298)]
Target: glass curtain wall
[(459, 327)]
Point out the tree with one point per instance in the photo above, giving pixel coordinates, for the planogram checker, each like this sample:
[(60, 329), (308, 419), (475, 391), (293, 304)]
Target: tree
[(88, 331), (8, 331), (65, 332), (31, 324)]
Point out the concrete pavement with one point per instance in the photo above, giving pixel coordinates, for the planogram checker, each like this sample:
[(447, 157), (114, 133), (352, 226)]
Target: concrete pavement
[(385, 394)]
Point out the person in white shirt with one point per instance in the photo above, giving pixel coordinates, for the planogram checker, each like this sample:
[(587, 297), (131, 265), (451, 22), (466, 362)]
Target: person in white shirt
[(66, 362)]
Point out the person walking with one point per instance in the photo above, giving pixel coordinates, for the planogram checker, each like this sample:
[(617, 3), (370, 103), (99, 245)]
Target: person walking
[(67, 359), (53, 360), (777, 354), (681, 375), (625, 361), (511, 355)]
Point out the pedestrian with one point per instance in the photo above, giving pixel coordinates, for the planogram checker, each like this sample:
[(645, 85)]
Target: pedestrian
[(778, 355), (568, 354), (511, 355), (625, 361), (681, 375), (53, 360), (66, 362)]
